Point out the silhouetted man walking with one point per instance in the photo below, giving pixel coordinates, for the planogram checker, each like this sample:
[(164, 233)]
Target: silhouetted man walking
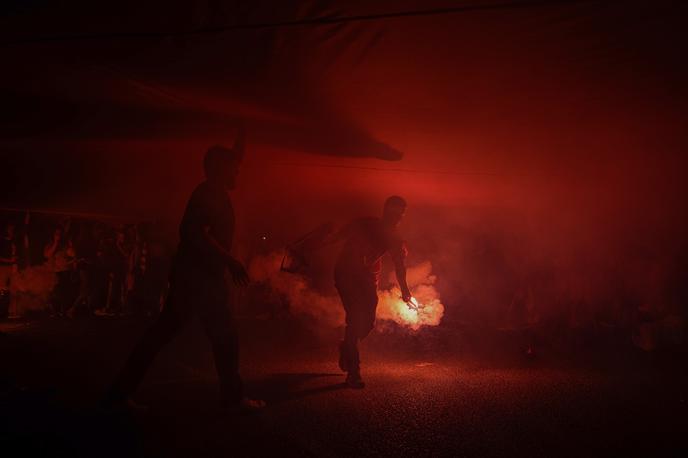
[(357, 274), (197, 283)]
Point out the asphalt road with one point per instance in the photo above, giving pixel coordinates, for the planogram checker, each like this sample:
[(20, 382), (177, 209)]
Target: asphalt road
[(421, 399)]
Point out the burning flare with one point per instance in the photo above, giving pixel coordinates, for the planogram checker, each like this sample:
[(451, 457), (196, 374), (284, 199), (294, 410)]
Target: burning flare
[(425, 307)]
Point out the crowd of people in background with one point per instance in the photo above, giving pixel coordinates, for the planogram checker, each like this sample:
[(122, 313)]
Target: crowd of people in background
[(62, 266), (81, 267)]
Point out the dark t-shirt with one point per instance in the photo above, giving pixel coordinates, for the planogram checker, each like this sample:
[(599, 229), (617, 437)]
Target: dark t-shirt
[(367, 240), (209, 206)]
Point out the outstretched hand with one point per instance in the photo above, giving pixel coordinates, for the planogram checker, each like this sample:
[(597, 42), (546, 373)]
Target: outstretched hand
[(406, 296)]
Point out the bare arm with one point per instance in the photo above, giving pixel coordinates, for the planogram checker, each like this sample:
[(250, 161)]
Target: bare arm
[(399, 257), (334, 237), (400, 270)]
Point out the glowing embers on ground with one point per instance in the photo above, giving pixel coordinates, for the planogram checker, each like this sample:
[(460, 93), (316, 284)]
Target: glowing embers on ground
[(426, 308)]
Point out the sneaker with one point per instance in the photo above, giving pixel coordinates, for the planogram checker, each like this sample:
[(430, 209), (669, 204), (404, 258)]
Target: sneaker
[(342, 359), (354, 381)]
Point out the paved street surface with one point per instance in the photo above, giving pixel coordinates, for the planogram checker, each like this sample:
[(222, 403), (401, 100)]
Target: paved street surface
[(426, 395)]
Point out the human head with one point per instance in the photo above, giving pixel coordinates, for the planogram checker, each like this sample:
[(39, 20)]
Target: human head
[(394, 210), (222, 166)]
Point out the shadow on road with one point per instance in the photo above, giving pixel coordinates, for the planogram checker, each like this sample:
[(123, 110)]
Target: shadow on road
[(279, 388)]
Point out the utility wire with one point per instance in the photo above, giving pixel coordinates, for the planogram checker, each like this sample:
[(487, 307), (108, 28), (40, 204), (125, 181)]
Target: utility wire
[(314, 22)]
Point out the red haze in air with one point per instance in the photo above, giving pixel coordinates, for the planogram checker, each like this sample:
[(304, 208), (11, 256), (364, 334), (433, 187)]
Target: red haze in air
[(541, 146)]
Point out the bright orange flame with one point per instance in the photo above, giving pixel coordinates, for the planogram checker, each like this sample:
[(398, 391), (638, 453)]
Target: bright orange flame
[(428, 313)]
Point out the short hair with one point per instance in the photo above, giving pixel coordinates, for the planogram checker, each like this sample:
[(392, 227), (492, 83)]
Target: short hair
[(217, 155), (395, 201)]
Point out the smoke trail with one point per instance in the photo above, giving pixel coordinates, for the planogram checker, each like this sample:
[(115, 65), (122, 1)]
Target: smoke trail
[(304, 301)]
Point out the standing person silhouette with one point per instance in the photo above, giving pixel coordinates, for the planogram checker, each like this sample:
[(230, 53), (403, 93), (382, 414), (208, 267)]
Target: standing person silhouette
[(197, 285), (357, 274)]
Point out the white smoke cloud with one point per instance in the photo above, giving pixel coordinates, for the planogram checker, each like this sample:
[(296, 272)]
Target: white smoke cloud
[(430, 310), (303, 300), (327, 310)]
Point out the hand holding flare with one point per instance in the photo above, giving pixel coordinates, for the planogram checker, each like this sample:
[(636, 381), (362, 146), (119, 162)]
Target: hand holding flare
[(413, 304)]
